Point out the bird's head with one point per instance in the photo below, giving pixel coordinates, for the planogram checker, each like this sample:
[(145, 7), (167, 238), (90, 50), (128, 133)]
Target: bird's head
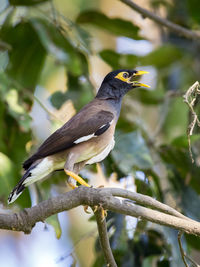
[(117, 83)]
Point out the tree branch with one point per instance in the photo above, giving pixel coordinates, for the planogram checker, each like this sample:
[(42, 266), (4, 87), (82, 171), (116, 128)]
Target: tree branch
[(103, 237), (26, 219), (145, 200), (164, 22)]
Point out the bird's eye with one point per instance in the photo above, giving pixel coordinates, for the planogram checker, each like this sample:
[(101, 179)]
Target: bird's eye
[(125, 75)]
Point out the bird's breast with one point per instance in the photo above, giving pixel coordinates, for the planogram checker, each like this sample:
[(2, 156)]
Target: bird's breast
[(103, 154)]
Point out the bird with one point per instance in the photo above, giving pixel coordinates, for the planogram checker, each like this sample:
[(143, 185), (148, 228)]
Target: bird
[(87, 138)]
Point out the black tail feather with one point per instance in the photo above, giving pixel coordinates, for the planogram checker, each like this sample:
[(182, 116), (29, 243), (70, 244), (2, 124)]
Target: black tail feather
[(29, 162), (19, 188)]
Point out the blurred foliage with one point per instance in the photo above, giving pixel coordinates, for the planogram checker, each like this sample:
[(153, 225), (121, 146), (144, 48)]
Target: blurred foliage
[(115, 26), (160, 58), (35, 41)]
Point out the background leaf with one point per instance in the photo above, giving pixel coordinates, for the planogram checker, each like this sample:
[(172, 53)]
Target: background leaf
[(131, 152), (53, 220), (26, 56), (114, 25), (26, 2)]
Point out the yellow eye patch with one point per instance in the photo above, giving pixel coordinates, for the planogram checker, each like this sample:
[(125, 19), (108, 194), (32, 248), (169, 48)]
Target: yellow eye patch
[(123, 76)]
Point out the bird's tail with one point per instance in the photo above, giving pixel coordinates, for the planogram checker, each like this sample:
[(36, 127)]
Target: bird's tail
[(19, 188), (34, 173)]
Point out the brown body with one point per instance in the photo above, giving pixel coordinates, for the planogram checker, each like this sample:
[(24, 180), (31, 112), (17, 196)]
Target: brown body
[(83, 151), (86, 138)]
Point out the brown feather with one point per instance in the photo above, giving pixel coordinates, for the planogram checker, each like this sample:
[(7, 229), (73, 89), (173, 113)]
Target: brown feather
[(87, 121)]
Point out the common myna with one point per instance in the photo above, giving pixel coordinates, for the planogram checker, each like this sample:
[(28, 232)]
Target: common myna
[(86, 138)]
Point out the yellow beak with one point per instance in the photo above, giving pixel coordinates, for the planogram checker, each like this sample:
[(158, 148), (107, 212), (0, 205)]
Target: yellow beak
[(136, 83), (141, 84), (140, 72)]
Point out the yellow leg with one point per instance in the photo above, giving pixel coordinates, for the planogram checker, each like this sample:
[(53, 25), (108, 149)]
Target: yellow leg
[(77, 178)]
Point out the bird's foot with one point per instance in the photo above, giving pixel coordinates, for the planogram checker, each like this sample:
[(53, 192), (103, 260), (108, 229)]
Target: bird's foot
[(95, 208), (86, 209), (102, 210), (77, 178), (71, 182), (100, 186)]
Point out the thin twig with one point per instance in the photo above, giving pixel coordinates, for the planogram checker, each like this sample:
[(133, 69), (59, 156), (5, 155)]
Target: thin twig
[(76, 243), (52, 116), (103, 237), (164, 22), (181, 248), (190, 98), (54, 12), (183, 253)]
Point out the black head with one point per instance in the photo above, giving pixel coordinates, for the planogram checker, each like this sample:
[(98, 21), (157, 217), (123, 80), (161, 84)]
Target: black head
[(117, 83)]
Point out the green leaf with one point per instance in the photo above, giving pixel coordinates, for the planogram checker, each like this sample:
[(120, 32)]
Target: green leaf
[(190, 202), (16, 110), (117, 61), (193, 241), (176, 121), (13, 139), (149, 97), (58, 98), (54, 221), (6, 175), (116, 26), (131, 152), (57, 44), (79, 91), (160, 58), (79, 37), (182, 141), (163, 263), (26, 2), (26, 56), (3, 58), (192, 6), (180, 167)]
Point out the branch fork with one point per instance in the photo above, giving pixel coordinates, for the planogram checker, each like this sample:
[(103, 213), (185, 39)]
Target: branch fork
[(105, 199)]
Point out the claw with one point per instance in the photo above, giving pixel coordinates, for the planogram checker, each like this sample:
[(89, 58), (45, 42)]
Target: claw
[(72, 183), (86, 209), (95, 208), (103, 212)]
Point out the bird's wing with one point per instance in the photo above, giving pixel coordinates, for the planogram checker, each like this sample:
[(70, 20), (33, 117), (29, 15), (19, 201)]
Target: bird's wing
[(78, 129)]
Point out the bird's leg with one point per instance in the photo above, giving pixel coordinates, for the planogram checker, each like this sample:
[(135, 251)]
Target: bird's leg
[(76, 177), (71, 168), (76, 167)]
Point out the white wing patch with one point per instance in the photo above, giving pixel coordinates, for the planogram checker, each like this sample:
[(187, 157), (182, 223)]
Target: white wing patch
[(103, 154), (87, 137), (84, 138), (102, 126)]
